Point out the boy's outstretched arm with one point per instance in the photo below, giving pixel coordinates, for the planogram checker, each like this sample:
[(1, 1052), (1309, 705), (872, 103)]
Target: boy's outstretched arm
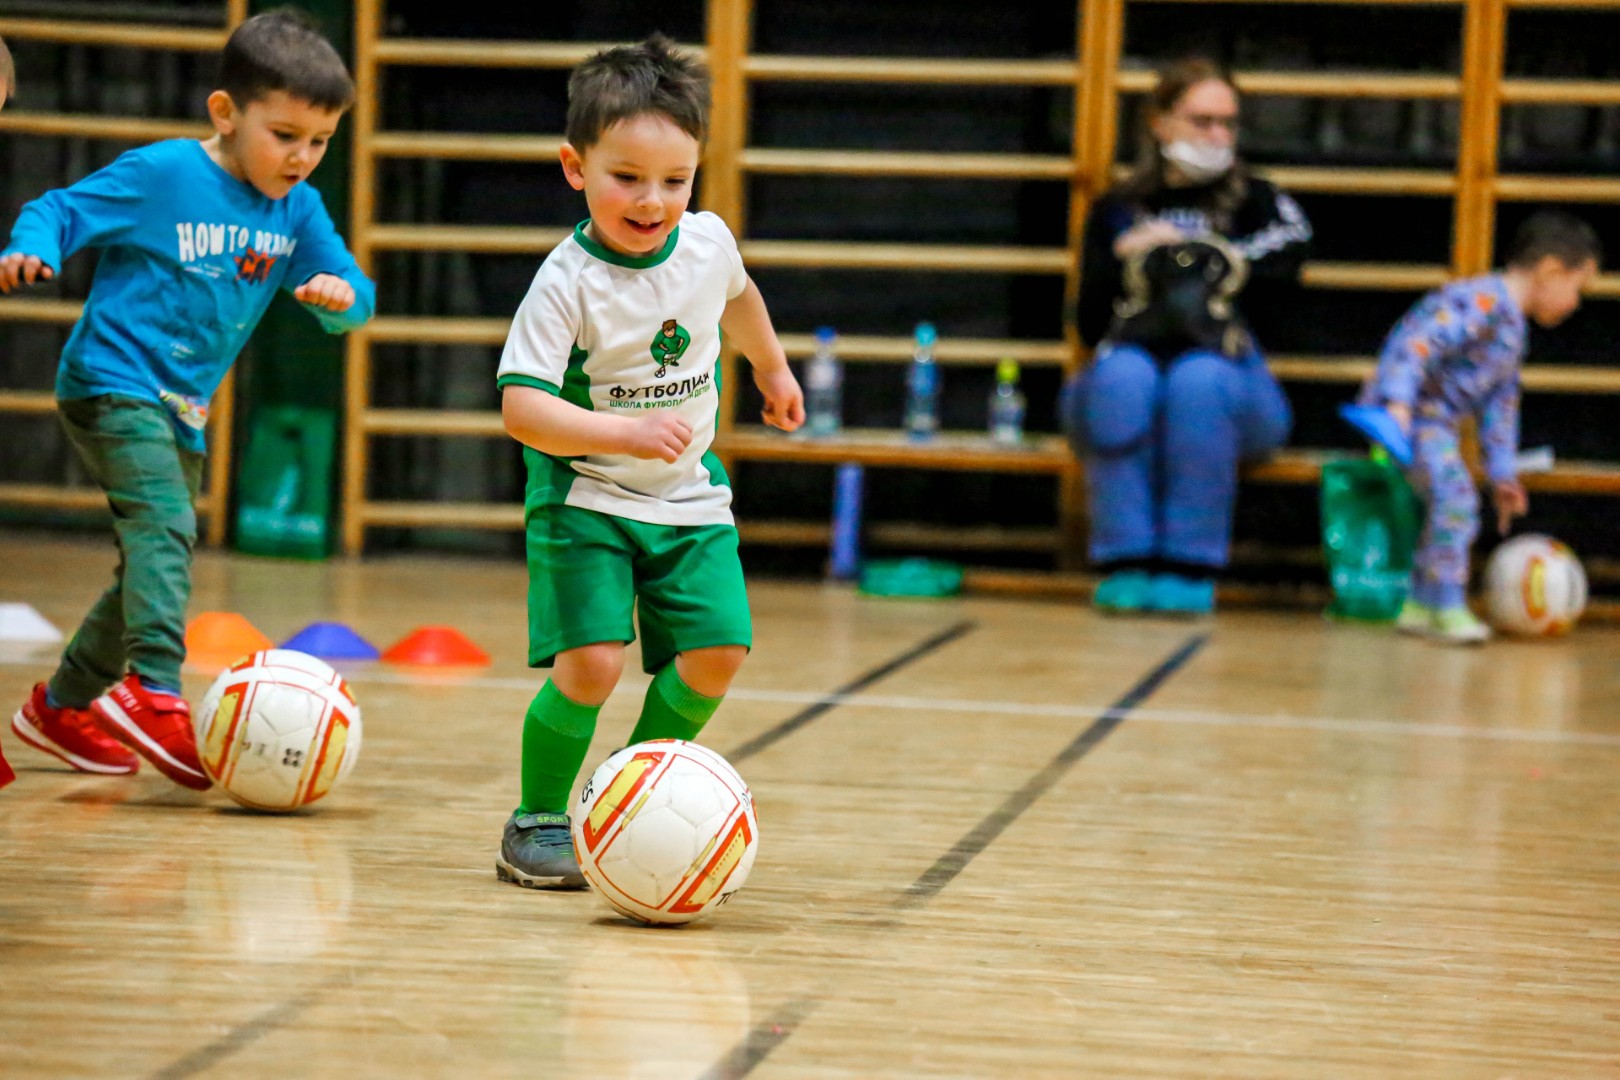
[(98, 210), (544, 421), (747, 323), (324, 277), (1499, 445)]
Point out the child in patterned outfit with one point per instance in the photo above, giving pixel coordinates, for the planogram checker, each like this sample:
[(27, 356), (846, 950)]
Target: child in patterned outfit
[(1457, 354)]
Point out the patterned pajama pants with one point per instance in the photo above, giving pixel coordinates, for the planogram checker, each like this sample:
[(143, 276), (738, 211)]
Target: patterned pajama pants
[(1440, 566)]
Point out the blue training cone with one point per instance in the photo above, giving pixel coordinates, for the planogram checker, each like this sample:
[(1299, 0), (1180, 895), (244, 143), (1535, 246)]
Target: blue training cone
[(1381, 429), (331, 641)]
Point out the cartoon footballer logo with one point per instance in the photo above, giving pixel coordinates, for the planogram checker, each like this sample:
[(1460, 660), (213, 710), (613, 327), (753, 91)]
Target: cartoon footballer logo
[(669, 346)]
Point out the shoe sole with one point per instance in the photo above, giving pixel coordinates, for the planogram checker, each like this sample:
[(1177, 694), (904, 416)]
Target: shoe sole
[(1179, 613), (121, 727), (1442, 639), (505, 871), (36, 738)]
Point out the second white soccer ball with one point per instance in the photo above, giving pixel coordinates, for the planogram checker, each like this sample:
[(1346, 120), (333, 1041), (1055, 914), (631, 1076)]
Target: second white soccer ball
[(665, 831), (277, 730), (1535, 585)]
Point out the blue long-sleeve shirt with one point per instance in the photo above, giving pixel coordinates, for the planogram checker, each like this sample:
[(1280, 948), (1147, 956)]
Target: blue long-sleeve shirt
[(1458, 353), (191, 259)]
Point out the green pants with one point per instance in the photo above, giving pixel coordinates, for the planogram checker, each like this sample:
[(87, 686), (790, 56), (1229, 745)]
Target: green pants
[(129, 449)]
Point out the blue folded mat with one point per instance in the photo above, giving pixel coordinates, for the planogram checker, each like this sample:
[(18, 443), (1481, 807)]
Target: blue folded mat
[(1381, 428)]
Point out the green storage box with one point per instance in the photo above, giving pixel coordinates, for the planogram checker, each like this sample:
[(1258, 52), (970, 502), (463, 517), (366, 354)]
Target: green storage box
[(284, 488)]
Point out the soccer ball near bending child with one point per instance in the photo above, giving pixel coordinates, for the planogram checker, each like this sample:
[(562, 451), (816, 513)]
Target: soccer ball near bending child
[(1535, 586)]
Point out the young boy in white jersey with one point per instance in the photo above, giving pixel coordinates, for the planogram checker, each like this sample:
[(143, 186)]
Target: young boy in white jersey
[(610, 380)]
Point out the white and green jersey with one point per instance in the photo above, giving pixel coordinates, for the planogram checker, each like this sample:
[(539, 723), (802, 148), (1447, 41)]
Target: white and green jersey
[(606, 331)]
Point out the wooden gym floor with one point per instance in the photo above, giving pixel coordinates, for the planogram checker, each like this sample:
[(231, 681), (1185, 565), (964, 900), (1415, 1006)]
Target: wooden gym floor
[(1025, 841)]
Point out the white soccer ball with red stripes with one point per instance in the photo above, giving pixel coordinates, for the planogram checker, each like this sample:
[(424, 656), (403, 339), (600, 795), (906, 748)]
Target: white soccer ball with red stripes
[(1535, 585), (277, 730), (665, 831)]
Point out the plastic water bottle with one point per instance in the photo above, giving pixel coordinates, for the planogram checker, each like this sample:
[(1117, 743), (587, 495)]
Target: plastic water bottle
[(824, 387), (922, 386), (1007, 406)]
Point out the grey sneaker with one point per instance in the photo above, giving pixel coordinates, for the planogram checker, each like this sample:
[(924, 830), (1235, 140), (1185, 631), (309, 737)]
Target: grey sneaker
[(537, 852)]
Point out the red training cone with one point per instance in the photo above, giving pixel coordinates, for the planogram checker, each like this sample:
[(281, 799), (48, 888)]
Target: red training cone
[(437, 646)]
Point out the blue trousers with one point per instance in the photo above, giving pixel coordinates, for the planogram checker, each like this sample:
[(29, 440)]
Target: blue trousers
[(1162, 443)]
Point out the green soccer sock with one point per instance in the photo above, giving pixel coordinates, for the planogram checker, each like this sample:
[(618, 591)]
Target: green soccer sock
[(556, 736), (672, 710)]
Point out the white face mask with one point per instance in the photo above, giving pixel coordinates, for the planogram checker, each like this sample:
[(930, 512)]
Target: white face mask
[(1199, 162)]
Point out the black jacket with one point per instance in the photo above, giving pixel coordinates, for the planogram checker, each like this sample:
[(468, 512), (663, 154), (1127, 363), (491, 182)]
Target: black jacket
[(1268, 228)]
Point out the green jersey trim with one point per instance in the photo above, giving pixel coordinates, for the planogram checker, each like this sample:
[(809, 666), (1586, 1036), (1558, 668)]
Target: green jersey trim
[(551, 477), (576, 387), (710, 459), (632, 262), (527, 380)]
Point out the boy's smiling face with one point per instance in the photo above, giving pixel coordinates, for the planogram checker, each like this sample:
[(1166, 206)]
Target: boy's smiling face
[(637, 179), (273, 142)]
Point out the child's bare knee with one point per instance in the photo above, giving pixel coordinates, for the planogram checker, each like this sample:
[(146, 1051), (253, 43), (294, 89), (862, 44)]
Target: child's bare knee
[(589, 673), (710, 671)]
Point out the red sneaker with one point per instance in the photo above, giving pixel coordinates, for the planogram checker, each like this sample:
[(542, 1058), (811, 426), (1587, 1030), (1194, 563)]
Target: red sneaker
[(6, 775), (155, 726), (71, 734)]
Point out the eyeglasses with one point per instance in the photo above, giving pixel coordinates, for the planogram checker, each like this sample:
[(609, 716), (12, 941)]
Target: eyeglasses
[(1209, 122)]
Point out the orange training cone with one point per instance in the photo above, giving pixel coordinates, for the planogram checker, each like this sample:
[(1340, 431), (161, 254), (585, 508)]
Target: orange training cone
[(436, 646), (223, 636)]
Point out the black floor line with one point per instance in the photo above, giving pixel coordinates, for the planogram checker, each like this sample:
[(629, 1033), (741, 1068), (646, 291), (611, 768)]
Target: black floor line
[(272, 1019), (766, 1036), (793, 723)]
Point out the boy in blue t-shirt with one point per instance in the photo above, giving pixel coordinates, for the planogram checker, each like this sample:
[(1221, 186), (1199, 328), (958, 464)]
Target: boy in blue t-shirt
[(196, 238), (1455, 355)]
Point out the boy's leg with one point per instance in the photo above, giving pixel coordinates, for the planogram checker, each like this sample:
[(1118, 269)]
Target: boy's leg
[(561, 720), (129, 449), (695, 625), (685, 693), (94, 657), (581, 599), (1451, 521), (537, 848)]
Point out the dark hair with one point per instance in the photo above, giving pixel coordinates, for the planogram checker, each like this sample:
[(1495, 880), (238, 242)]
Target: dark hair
[(627, 81), (8, 70), (281, 50), (1553, 232), (1147, 174)]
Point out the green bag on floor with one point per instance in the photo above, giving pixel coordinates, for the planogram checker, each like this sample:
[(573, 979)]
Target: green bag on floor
[(284, 490), (1371, 520)]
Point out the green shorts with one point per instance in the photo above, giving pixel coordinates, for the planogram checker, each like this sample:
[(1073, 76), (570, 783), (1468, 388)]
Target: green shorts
[(588, 570)]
